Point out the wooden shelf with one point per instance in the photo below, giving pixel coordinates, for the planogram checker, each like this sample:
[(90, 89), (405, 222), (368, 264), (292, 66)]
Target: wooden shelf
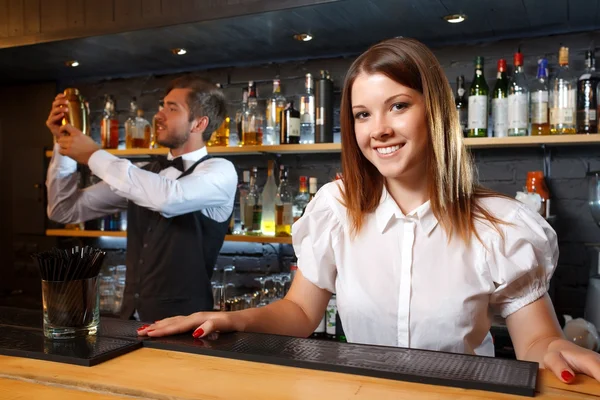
[(228, 238), (473, 143)]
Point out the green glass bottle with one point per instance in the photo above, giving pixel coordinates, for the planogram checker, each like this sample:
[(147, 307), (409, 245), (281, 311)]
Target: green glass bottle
[(478, 102)]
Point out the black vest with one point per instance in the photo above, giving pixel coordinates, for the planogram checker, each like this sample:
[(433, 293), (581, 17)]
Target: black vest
[(170, 260)]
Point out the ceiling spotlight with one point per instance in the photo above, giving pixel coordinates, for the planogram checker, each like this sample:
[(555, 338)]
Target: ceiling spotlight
[(178, 51), (72, 63), (455, 18), (303, 37)]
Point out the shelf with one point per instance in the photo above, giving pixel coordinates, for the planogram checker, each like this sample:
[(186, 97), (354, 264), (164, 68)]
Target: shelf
[(232, 151), (228, 238), (473, 143), (532, 141)]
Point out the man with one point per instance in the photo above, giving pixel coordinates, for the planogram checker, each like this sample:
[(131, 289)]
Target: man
[(178, 207)]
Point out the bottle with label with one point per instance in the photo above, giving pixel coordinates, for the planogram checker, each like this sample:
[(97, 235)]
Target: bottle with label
[(268, 203), (239, 117), (290, 125), (537, 184), (587, 96), (283, 205), (312, 188), (562, 97), (253, 206), (330, 317), (252, 121), (478, 102), (540, 122), (109, 126), (307, 112), (500, 101), (462, 104), (275, 106), (137, 128), (301, 199), (243, 190), (518, 99), (153, 135)]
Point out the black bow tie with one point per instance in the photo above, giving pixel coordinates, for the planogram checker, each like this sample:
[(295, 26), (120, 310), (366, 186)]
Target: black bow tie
[(175, 163)]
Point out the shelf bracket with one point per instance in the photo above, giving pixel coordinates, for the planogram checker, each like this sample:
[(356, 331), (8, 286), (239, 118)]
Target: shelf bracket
[(547, 161)]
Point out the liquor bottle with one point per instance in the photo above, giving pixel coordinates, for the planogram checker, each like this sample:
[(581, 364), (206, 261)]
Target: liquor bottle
[(130, 124), (562, 97), (153, 143), (137, 128), (307, 112), (301, 199), (243, 190), (239, 117), (540, 124), (312, 188), (331, 313), (500, 101), (478, 102), (252, 122), (462, 104), (109, 126), (290, 125), (253, 206), (268, 203), (587, 96), (275, 106), (283, 205), (518, 99), (324, 108), (220, 137)]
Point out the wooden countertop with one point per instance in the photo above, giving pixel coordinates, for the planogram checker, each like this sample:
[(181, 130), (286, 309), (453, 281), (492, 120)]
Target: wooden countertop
[(158, 374)]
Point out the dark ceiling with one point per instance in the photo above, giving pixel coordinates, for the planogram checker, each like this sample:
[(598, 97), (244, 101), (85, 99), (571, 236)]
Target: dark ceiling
[(341, 28)]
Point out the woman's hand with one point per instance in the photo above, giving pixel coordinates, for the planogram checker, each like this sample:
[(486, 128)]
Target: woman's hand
[(565, 359), (202, 323)]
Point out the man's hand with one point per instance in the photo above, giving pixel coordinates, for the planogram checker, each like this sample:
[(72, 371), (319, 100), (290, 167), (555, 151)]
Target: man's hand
[(57, 113), (73, 143)]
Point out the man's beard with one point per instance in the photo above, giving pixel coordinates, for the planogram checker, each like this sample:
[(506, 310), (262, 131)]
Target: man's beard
[(174, 141)]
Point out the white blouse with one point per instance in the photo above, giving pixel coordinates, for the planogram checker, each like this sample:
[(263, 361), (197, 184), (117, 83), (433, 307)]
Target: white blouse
[(399, 282)]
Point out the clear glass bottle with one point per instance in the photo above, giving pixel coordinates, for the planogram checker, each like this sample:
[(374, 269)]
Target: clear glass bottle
[(109, 126), (253, 206), (562, 97), (478, 102), (518, 99), (236, 139), (540, 122), (275, 106), (301, 199), (137, 128), (243, 189), (500, 101), (130, 124), (587, 96), (268, 203), (252, 120), (312, 188), (220, 137), (307, 112), (283, 205), (462, 104)]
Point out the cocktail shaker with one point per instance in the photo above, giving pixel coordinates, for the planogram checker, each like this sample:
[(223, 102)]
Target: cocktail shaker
[(77, 114)]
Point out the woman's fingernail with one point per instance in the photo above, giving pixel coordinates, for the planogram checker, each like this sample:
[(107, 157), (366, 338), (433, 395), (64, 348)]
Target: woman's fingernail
[(197, 333), (141, 328), (567, 376), (150, 330)]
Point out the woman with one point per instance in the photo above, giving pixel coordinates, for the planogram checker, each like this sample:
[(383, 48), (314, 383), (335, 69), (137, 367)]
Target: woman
[(417, 254)]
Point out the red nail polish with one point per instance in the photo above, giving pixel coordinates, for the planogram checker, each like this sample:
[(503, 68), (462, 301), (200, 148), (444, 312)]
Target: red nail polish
[(151, 330), (197, 333), (141, 328), (567, 376)]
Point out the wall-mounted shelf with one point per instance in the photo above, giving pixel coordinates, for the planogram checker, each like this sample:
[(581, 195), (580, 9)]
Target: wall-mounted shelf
[(474, 143), (228, 238)]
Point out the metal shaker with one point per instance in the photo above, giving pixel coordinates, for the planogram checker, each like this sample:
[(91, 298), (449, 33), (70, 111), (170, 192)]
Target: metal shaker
[(77, 114)]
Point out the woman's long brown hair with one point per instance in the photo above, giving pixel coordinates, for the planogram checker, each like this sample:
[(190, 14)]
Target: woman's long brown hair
[(452, 192)]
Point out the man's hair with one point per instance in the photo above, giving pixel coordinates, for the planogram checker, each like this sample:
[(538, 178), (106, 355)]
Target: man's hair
[(204, 100)]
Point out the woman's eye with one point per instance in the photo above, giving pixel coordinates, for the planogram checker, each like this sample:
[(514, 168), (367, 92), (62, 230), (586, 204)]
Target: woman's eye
[(399, 106), (361, 115)]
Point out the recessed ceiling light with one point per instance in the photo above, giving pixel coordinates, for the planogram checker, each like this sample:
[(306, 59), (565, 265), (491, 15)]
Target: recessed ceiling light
[(455, 18), (72, 63), (303, 37), (178, 51)]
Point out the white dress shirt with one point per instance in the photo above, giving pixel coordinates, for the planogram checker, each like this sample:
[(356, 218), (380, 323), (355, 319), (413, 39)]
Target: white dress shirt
[(210, 188), (401, 283)]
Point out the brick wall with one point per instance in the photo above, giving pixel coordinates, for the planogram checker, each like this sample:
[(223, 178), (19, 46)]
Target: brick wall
[(500, 169)]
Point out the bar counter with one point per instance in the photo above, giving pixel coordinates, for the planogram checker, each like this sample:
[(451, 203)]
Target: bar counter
[(201, 370)]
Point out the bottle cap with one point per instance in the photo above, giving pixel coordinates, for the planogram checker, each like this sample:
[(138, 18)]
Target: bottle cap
[(502, 65), (563, 56), (518, 59)]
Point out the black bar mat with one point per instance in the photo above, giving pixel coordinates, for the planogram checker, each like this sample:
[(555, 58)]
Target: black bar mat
[(411, 365), (87, 351), (21, 317)]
